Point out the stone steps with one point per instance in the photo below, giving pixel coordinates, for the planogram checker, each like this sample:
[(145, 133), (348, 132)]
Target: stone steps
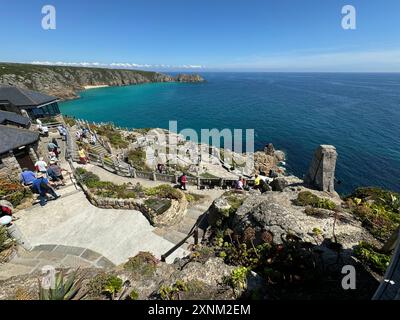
[(178, 232), (57, 256)]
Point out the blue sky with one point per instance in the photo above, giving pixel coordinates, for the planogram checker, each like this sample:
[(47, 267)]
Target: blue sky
[(222, 35)]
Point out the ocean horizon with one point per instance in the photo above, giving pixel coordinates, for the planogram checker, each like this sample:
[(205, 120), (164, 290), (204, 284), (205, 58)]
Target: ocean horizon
[(358, 113)]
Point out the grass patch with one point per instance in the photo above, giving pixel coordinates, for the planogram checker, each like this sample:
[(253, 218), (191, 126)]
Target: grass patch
[(193, 197), (143, 264), (137, 158), (13, 192), (105, 189), (368, 254), (113, 135), (306, 198), (378, 209), (207, 175), (164, 191)]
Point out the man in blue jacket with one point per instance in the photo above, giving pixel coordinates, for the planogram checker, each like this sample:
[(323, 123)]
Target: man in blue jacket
[(41, 186)]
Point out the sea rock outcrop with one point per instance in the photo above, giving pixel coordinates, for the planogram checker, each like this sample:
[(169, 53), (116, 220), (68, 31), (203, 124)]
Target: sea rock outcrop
[(269, 159), (321, 174)]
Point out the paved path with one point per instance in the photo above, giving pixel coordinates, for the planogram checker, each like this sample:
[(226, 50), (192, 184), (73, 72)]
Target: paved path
[(73, 221), (65, 231), (57, 256)]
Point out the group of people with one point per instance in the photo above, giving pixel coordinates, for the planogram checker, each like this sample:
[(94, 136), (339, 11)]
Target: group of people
[(83, 135), (260, 183), (46, 177)]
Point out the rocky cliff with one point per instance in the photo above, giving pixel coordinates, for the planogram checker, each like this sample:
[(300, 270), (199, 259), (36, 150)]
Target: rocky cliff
[(66, 82)]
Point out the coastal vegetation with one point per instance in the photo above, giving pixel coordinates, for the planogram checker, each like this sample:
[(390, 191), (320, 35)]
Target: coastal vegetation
[(112, 135), (144, 264), (65, 82), (105, 188), (13, 192), (371, 256), (307, 198), (378, 209), (137, 158), (66, 288)]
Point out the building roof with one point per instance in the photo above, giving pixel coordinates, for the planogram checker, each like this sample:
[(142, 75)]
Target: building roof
[(24, 98), (6, 117), (12, 138)]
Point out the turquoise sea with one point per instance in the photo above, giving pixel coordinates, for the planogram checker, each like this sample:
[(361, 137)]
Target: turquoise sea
[(358, 113)]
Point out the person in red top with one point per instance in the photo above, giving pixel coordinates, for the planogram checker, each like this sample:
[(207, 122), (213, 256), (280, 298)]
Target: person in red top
[(183, 181), (6, 209)]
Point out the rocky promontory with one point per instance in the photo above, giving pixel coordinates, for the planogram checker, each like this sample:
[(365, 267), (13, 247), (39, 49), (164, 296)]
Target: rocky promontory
[(66, 82)]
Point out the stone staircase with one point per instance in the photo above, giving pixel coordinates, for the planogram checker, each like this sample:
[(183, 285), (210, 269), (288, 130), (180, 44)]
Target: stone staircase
[(57, 256), (178, 232)]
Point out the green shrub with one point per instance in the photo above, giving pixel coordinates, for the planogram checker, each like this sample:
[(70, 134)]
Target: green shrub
[(113, 135), (173, 292), (193, 197), (13, 192), (65, 289), (69, 121), (5, 241), (368, 254), (137, 158), (378, 210), (144, 264), (87, 178), (307, 198), (238, 278), (104, 284), (164, 191)]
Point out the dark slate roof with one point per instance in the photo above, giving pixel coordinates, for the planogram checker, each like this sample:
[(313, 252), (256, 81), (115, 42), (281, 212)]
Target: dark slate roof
[(6, 116), (24, 98), (12, 138)]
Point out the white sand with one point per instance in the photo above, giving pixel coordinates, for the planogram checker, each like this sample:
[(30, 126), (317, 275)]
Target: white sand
[(94, 87)]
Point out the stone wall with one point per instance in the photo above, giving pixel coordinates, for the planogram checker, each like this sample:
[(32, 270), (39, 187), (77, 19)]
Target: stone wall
[(9, 166), (170, 217)]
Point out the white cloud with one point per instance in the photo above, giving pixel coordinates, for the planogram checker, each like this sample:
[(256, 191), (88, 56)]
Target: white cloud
[(116, 65)]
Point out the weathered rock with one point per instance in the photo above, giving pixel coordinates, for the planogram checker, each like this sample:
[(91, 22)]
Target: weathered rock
[(274, 212), (269, 149), (279, 184), (321, 174), (218, 212)]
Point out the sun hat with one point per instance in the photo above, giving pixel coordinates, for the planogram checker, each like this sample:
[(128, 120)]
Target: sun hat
[(40, 175), (5, 220), (7, 204)]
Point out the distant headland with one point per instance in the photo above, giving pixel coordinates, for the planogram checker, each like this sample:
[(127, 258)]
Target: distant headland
[(66, 82)]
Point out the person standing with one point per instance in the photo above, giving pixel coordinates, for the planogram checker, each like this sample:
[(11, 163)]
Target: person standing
[(183, 181), (82, 156)]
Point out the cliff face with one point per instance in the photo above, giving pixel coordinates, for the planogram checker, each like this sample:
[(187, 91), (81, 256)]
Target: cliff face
[(65, 82)]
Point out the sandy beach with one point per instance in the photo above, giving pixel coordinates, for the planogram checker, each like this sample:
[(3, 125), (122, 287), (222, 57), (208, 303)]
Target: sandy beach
[(94, 87)]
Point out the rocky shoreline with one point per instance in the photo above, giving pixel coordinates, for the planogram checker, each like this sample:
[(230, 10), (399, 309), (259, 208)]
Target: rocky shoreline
[(66, 82)]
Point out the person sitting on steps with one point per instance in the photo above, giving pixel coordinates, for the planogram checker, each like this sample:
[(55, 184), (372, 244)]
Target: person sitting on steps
[(42, 187)]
